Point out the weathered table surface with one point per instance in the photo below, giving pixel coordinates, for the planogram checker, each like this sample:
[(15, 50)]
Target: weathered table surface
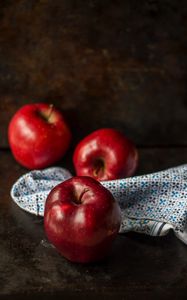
[(110, 63)]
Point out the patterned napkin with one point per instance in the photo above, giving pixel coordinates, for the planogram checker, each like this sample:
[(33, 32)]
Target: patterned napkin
[(151, 204)]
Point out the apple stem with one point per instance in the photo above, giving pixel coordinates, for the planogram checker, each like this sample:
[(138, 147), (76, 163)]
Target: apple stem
[(51, 107), (81, 195), (98, 167)]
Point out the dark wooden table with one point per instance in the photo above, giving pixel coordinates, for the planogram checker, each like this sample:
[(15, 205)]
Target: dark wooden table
[(118, 64)]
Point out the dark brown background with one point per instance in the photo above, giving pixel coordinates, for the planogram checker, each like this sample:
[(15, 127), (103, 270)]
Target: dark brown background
[(120, 64)]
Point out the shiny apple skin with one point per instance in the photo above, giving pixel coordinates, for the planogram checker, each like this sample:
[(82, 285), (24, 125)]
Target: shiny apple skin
[(81, 219), (116, 152), (38, 135)]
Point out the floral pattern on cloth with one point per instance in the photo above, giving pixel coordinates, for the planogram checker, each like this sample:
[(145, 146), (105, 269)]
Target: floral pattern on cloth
[(151, 204)]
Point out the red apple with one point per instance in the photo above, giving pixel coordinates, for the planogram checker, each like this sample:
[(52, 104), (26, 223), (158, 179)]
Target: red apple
[(81, 219), (105, 154), (38, 135)]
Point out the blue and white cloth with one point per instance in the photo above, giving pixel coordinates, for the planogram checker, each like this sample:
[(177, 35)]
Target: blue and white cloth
[(151, 204)]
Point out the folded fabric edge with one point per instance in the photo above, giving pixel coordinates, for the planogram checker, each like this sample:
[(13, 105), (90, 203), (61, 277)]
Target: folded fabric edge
[(146, 226), (182, 236)]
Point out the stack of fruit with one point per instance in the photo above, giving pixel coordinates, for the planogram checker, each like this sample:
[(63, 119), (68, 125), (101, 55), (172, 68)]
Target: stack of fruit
[(81, 217)]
